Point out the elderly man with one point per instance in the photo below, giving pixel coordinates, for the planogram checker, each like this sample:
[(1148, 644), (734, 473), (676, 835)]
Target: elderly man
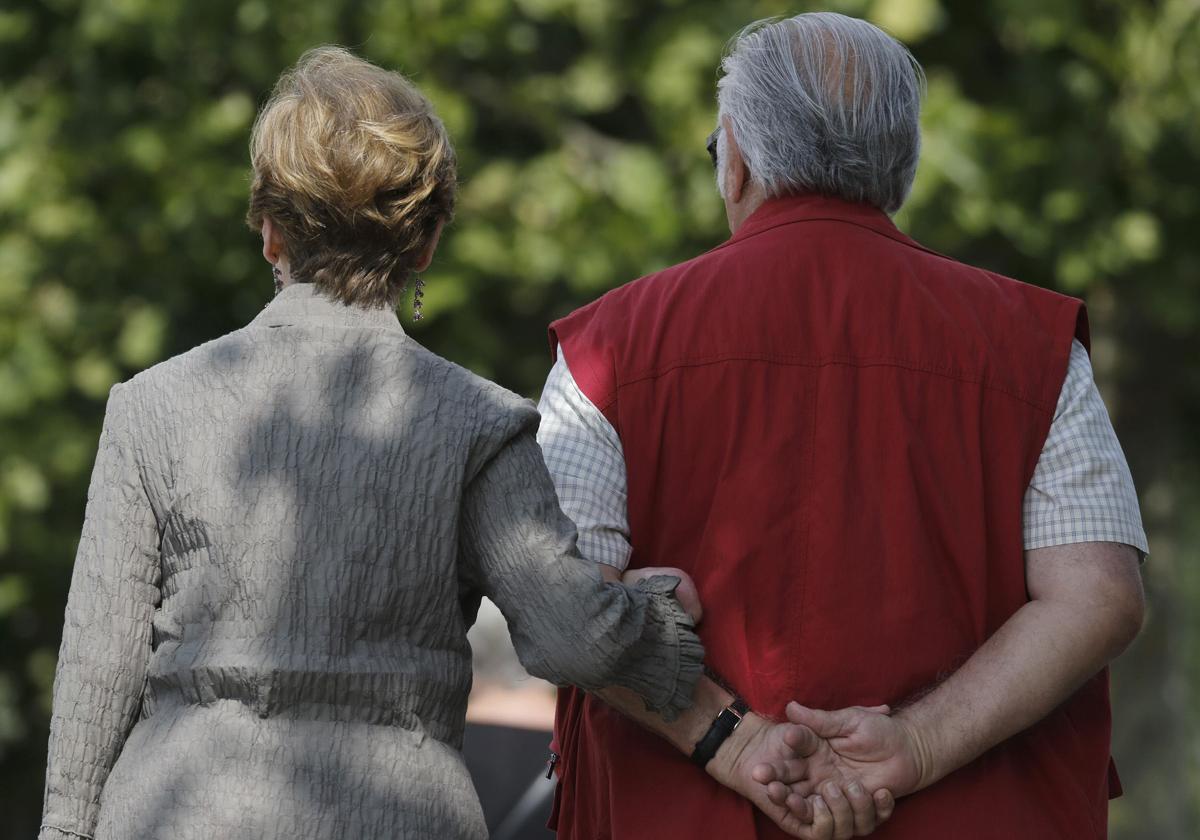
[(890, 475)]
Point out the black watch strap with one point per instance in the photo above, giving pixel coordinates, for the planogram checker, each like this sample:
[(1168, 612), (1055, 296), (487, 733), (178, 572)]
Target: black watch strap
[(722, 727)]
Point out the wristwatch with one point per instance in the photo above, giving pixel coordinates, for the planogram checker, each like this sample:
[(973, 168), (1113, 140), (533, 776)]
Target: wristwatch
[(722, 727)]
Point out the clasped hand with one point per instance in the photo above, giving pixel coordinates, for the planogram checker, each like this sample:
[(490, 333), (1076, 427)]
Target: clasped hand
[(822, 775)]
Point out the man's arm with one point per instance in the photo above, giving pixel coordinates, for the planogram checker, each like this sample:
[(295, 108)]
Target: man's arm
[(1086, 606), (584, 455), (756, 743), (587, 464), (1081, 529)]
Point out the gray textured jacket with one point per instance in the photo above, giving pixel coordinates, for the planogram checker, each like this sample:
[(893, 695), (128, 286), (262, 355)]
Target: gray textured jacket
[(287, 535)]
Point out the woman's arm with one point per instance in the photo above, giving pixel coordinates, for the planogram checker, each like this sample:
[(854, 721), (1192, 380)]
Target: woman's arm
[(567, 624), (106, 635)]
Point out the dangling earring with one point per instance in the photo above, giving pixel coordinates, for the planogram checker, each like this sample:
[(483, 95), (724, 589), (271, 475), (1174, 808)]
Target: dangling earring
[(277, 275), (418, 293)]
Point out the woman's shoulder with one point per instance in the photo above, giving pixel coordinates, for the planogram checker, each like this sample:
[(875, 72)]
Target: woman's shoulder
[(490, 414), (474, 393), (209, 360)]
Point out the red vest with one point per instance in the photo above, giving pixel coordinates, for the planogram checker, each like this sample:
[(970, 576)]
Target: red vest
[(831, 428)]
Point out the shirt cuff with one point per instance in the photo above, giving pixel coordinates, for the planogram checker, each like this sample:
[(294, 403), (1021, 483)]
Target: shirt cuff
[(1097, 530)]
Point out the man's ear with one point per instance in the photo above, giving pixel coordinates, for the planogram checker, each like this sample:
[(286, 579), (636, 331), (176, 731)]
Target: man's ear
[(272, 241), (737, 174), (426, 255)]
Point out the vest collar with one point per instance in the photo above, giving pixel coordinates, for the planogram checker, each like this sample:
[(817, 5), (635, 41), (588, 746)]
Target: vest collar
[(808, 207), (303, 303)]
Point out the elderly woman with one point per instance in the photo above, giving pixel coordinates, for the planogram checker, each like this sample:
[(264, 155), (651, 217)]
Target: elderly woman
[(289, 530)]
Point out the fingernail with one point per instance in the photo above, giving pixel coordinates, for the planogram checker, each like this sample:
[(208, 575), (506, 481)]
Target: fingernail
[(834, 792), (856, 789)]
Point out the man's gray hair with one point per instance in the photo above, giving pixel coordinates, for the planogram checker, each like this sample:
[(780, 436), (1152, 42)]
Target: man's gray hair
[(824, 103)]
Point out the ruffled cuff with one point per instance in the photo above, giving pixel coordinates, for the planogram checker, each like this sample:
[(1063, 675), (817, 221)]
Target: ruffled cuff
[(668, 661), (49, 832)]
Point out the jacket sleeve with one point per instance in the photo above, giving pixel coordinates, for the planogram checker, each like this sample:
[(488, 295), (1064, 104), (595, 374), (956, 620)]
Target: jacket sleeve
[(568, 626), (107, 633)]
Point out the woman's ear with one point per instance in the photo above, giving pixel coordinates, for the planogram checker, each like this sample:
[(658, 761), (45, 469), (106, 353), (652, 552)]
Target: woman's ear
[(426, 255), (272, 241)]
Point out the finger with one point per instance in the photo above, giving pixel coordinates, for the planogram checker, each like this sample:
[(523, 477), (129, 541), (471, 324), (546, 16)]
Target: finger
[(765, 773), (839, 806), (687, 594), (885, 805), (800, 807), (788, 771), (863, 807), (825, 724), (879, 710), (822, 824), (801, 739), (691, 597), (778, 793)]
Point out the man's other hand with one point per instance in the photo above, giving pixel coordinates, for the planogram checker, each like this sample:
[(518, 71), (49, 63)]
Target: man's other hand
[(759, 751), (862, 753)]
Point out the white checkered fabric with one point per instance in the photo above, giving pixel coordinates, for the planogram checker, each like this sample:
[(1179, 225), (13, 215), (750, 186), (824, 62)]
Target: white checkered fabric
[(1081, 490), (586, 461)]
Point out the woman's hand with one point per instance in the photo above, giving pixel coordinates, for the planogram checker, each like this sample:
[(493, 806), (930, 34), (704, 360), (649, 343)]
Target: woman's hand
[(685, 593)]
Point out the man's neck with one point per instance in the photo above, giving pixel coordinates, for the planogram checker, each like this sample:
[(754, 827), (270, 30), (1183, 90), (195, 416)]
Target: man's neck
[(737, 213)]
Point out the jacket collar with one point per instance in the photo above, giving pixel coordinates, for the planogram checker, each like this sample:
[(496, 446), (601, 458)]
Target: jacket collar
[(303, 303), (808, 207)]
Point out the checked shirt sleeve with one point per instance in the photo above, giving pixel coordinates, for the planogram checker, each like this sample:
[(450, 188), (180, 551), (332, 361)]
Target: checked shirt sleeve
[(587, 464), (1082, 490)]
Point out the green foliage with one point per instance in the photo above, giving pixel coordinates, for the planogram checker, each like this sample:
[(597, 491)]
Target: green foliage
[(1061, 147)]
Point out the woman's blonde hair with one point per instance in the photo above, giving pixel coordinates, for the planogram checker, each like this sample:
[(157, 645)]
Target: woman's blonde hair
[(356, 170)]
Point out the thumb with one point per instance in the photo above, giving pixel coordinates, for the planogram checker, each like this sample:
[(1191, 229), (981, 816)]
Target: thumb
[(802, 740), (885, 804), (825, 724)]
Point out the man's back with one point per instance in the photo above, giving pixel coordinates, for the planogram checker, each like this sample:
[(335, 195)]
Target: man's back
[(832, 430)]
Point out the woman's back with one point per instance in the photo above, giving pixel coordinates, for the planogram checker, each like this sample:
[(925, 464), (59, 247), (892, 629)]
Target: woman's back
[(306, 472), (310, 466)]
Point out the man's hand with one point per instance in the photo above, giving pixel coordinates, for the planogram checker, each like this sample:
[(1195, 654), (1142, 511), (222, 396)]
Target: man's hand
[(860, 750), (759, 749), (1086, 597), (686, 593)]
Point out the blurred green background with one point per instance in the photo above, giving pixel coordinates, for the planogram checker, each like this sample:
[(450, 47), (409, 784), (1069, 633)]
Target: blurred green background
[(1062, 140)]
